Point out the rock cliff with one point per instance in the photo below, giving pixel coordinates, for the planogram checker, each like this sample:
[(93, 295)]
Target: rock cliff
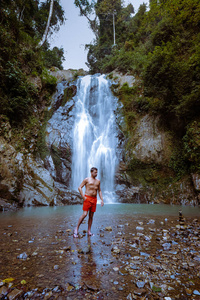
[(143, 175), (24, 181)]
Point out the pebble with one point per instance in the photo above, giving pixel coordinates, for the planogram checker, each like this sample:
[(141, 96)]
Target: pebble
[(139, 228), (22, 256), (48, 295), (145, 254), (115, 250), (140, 284), (109, 228), (129, 297), (56, 267), (139, 292), (195, 292), (188, 292), (151, 221), (166, 246), (3, 290), (15, 294)]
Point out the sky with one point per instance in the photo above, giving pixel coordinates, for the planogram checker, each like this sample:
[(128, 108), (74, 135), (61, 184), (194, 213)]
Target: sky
[(75, 33)]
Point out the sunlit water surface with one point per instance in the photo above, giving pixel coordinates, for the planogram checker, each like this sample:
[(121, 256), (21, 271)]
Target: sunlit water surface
[(72, 211)]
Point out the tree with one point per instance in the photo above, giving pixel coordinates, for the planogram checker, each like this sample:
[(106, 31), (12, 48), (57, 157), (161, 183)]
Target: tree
[(22, 24), (44, 37), (109, 8), (111, 27), (88, 9), (53, 57)]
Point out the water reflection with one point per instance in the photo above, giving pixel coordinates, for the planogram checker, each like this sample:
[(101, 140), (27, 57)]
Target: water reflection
[(88, 265), (72, 211)]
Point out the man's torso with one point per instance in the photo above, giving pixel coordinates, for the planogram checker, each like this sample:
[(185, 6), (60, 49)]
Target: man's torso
[(92, 187)]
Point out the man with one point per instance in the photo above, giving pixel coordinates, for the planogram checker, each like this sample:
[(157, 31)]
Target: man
[(92, 186)]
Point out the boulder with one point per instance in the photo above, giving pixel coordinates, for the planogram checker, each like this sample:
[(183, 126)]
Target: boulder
[(38, 186), (151, 144), (67, 75), (123, 78), (66, 196), (196, 181)]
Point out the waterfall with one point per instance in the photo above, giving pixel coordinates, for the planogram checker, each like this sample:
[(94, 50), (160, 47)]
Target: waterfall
[(95, 133)]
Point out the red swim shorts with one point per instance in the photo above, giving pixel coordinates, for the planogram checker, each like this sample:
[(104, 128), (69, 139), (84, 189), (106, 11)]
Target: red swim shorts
[(90, 203)]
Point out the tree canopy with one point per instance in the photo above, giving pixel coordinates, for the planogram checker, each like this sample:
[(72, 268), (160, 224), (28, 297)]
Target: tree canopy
[(22, 24)]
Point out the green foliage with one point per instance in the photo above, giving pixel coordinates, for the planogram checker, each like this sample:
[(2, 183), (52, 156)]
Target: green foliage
[(48, 80), (17, 95), (133, 103), (152, 175), (42, 148), (178, 161), (54, 57), (21, 27), (192, 145)]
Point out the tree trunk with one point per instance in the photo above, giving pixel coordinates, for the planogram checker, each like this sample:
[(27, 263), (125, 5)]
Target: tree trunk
[(114, 28), (47, 26)]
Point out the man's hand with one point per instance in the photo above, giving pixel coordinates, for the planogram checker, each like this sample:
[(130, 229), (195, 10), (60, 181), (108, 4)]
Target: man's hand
[(102, 203)]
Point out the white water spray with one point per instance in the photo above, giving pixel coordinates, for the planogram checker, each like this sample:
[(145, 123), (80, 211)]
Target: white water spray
[(95, 134)]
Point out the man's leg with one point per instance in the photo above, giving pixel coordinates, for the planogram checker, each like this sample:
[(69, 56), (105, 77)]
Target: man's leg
[(90, 219), (82, 217)]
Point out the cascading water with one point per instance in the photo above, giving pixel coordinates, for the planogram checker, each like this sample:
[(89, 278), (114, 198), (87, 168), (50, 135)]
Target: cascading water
[(95, 133)]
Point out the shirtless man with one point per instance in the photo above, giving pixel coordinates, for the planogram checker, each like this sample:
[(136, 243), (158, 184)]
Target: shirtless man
[(92, 186)]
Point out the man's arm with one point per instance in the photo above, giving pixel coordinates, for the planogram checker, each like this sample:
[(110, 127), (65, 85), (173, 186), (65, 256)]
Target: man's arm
[(80, 188), (100, 195)]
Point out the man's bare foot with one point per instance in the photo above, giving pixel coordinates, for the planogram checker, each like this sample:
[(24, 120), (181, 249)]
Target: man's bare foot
[(75, 234), (90, 234)]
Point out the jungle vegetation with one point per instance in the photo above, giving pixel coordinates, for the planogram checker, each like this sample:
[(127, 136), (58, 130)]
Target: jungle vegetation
[(160, 46), (22, 25)]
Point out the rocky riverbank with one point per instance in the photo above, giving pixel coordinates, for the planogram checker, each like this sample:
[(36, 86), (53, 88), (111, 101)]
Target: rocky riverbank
[(130, 257)]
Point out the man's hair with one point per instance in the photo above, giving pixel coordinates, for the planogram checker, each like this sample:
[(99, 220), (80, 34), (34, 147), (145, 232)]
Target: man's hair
[(92, 169)]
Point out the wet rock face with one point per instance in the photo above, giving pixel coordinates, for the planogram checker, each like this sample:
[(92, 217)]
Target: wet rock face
[(24, 182), (59, 142), (38, 186), (121, 78), (58, 135), (196, 182), (5, 128), (9, 174), (151, 144), (67, 75)]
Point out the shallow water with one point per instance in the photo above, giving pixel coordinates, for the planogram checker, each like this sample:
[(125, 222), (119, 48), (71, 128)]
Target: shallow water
[(45, 232), (72, 211)]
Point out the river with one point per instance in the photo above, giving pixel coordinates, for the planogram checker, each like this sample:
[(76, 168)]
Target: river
[(132, 243)]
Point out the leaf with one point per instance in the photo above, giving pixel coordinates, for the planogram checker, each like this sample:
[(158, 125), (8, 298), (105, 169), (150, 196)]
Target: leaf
[(7, 280), (156, 289), (23, 281)]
